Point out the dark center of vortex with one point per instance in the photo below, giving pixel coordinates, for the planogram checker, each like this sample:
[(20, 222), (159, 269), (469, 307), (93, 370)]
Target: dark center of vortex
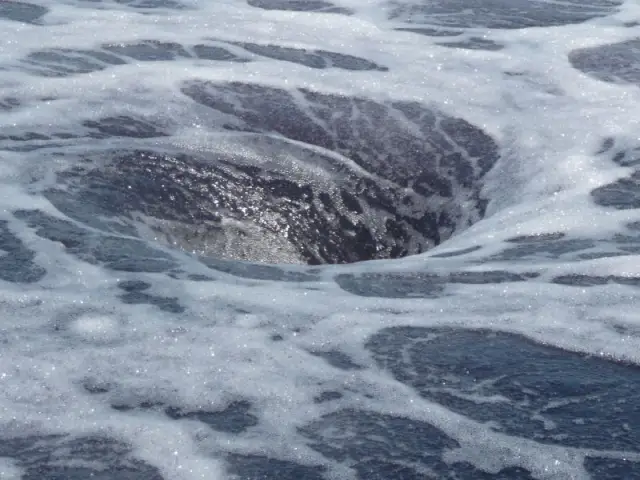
[(300, 177)]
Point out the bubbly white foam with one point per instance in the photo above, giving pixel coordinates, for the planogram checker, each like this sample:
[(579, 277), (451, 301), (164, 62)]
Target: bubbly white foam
[(73, 328)]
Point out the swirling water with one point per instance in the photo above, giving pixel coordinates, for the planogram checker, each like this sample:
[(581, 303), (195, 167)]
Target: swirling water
[(285, 239)]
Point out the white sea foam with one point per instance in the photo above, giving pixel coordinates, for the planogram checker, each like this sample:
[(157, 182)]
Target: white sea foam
[(83, 356)]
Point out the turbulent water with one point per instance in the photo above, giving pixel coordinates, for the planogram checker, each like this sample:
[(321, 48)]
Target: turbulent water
[(297, 239)]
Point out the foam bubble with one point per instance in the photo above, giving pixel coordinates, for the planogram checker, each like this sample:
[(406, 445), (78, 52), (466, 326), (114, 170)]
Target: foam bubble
[(96, 328), (123, 354)]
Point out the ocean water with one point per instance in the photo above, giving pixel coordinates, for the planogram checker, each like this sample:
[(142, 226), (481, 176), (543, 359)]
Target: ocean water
[(307, 239)]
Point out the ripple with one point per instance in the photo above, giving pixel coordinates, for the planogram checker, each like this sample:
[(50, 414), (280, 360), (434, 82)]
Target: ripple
[(300, 6), (22, 12), (58, 456), (618, 62), (506, 14), (463, 369)]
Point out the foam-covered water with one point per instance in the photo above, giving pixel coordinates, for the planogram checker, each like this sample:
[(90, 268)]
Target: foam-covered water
[(285, 239)]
